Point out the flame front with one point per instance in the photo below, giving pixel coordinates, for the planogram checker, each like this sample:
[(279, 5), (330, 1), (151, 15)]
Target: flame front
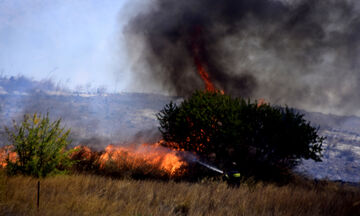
[(154, 156), (148, 157)]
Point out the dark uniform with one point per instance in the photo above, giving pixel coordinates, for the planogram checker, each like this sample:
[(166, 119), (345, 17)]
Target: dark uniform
[(232, 178)]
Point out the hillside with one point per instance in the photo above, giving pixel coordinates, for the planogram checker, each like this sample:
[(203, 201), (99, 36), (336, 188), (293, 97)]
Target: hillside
[(98, 119)]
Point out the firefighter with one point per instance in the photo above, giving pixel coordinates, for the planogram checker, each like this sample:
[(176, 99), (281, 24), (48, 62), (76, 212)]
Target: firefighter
[(233, 177)]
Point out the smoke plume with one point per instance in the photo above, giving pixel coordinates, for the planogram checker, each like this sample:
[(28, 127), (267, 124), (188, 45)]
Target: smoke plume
[(302, 53)]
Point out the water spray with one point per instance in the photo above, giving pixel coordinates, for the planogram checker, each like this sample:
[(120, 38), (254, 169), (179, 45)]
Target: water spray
[(210, 167)]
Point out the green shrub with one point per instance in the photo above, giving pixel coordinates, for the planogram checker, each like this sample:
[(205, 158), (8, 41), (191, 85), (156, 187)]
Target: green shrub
[(40, 146), (233, 133)]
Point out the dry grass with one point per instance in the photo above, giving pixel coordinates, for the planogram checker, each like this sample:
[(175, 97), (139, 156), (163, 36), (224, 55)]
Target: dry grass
[(96, 195)]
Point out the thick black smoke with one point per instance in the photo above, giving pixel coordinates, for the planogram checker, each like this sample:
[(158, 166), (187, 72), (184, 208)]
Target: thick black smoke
[(300, 53)]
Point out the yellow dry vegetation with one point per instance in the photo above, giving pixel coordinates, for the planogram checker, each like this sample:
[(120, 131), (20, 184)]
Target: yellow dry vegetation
[(97, 195)]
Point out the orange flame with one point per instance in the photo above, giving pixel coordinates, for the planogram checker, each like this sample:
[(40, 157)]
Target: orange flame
[(149, 155), (197, 47), (261, 102), (209, 86), (82, 152), (6, 152), (154, 157)]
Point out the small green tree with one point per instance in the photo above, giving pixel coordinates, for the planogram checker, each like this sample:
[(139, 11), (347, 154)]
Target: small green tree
[(262, 140), (40, 146)]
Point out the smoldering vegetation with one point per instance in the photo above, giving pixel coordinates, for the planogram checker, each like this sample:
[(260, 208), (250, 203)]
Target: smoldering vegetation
[(301, 53)]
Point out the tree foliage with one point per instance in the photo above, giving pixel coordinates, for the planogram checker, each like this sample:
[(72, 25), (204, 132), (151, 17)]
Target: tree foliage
[(257, 138), (40, 145)]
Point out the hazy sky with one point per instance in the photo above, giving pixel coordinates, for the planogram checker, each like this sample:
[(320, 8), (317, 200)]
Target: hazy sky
[(312, 64), (74, 42)]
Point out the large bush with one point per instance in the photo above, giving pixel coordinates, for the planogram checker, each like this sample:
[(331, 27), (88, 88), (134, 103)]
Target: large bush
[(40, 145), (233, 133)]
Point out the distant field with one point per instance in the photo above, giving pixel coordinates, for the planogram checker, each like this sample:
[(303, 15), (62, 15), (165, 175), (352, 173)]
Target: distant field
[(97, 120), (95, 195)]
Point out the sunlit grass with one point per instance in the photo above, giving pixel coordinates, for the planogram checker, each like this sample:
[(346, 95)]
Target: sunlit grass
[(96, 195)]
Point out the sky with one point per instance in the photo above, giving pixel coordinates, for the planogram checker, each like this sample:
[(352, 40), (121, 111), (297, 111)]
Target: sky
[(75, 43), (81, 44)]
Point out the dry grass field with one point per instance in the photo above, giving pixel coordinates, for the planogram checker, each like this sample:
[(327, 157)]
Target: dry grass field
[(96, 195)]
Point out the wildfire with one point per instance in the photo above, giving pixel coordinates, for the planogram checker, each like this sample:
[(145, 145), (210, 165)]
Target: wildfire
[(151, 157), (197, 48), (261, 102), (6, 153), (209, 86), (154, 156), (82, 152)]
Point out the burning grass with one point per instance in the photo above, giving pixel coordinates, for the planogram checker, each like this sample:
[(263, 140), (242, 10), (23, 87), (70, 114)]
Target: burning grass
[(136, 161), (85, 194), (95, 195), (154, 156), (6, 153)]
